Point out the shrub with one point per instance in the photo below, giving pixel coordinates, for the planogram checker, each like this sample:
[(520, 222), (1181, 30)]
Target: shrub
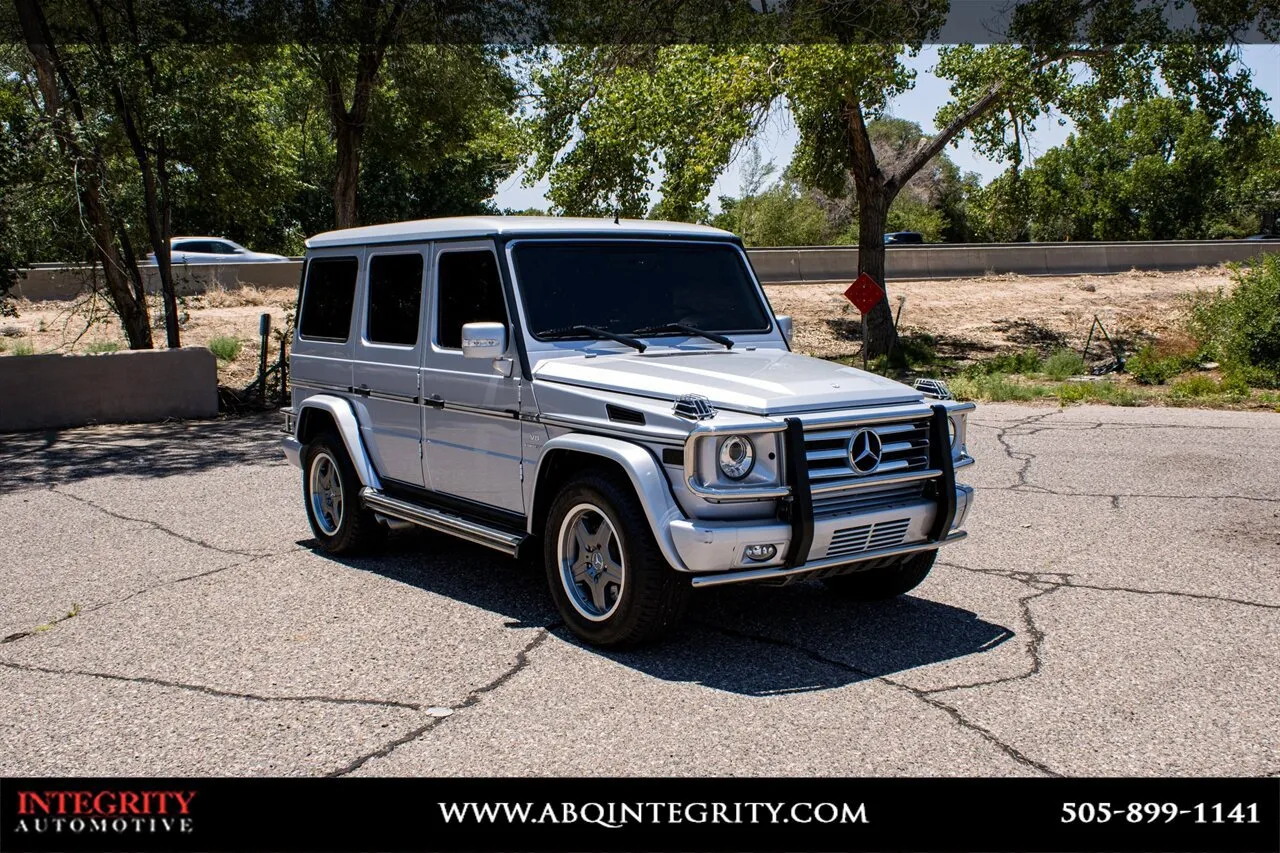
[(1101, 391), (24, 348), (995, 388), (1243, 329), (1150, 367), (1195, 386), (102, 346), (225, 348), (1017, 362), (1062, 364)]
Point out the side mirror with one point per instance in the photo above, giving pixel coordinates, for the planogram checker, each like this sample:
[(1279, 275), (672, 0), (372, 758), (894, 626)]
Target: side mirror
[(484, 340), (785, 326)]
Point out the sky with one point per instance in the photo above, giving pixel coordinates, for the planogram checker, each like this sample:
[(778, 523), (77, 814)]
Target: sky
[(778, 140)]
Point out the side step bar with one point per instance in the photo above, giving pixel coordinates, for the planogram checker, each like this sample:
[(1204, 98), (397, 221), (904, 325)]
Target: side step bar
[(434, 519)]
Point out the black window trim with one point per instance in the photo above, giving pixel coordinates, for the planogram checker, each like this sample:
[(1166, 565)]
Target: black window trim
[(424, 252), (302, 296), (469, 244), (512, 244)]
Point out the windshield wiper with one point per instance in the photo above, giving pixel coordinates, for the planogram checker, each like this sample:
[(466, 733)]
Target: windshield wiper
[(593, 332), (690, 330)]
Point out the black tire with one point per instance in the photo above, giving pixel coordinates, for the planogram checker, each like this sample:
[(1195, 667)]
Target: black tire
[(652, 596), (355, 530), (884, 582)]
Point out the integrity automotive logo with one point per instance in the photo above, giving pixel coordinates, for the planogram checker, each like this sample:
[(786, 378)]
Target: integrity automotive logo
[(104, 812)]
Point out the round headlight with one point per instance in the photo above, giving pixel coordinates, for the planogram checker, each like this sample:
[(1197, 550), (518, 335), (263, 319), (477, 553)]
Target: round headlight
[(737, 455), (953, 430)]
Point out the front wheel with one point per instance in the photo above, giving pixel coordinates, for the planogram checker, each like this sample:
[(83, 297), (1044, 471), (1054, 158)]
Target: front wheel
[(609, 580), (331, 489), (886, 581)]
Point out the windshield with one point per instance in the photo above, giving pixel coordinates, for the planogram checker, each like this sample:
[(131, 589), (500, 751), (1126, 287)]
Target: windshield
[(621, 286)]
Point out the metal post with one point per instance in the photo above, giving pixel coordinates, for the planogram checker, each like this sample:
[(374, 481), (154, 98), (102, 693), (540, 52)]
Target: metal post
[(264, 329), (864, 341)]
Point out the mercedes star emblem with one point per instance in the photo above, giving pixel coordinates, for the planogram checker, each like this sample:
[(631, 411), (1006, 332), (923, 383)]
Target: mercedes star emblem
[(864, 451)]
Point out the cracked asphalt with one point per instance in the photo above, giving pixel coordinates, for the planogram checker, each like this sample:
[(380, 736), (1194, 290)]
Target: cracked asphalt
[(1115, 611)]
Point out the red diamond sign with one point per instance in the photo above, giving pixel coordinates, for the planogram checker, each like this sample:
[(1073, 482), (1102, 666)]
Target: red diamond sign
[(864, 293)]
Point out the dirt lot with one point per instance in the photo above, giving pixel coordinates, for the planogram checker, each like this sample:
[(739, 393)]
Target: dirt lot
[(970, 317), (975, 317)]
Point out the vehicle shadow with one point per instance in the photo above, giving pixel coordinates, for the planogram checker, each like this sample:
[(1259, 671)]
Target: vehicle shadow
[(58, 457), (750, 640)]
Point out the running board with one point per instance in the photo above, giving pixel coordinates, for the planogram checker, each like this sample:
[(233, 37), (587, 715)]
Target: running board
[(443, 522)]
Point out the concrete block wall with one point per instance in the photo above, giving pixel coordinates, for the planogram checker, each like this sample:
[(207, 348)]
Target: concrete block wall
[(53, 391)]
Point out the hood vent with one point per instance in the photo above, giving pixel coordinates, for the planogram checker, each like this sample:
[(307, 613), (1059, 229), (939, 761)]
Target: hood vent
[(624, 415), (695, 407)]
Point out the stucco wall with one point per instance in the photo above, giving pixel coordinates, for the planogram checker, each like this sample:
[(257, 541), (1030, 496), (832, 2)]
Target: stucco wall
[(46, 391)]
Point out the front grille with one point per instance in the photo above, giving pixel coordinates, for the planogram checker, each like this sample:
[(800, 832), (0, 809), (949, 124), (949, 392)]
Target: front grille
[(905, 448), (867, 499), (868, 537)]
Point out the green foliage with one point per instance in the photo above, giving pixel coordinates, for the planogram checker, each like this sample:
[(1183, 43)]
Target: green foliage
[(1101, 391), (1195, 386), (102, 346), (24, 348), (1242, 329), (1026, 362), (225, 348), (995, 388), (1150, 367), (1151, 170), (1062, 364)]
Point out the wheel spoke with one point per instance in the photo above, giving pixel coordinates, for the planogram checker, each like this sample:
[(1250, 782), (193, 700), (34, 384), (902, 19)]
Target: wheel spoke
[(582, 537), (597, 594), (579, 569), (612, 573)]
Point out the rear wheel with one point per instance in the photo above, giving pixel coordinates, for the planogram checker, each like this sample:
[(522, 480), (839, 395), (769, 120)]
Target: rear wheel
[(607, 576), (331, 490), (886, 581)]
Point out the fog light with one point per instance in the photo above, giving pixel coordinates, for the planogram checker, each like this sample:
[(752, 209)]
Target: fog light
[(760, 553)]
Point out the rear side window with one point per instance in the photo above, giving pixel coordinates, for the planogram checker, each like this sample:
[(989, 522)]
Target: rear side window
[(327, 297), (395, 296), (469, 291)]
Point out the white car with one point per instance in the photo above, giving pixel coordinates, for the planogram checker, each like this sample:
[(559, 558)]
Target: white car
[(213, 250)]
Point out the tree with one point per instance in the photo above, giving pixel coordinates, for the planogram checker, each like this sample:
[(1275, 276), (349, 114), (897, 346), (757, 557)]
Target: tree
[(81, 145), (1155, 170), (611, 112)]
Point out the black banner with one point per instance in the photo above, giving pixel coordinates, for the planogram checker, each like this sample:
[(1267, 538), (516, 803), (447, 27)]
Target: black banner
[(640, 814)]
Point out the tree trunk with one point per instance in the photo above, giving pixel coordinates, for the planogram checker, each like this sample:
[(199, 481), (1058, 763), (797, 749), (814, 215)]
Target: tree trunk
[(873, 214), (349, 137), (124, 285)]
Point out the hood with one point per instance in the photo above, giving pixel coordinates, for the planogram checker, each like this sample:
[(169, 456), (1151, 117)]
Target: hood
[(763, 382)]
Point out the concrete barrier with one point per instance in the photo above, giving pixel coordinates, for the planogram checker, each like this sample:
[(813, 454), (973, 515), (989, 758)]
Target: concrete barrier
[(51, 391), (65, 282), (772, 265), (946, 261)]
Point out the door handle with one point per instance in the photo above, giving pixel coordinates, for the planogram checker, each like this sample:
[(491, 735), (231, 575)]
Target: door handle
[(435, 401), (363, 390)]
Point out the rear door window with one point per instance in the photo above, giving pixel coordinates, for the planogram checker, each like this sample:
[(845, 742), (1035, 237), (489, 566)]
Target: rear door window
[(327, 298), (395, 299)]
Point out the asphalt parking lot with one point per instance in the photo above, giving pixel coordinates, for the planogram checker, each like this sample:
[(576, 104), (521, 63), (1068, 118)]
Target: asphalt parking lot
[(1116, 610)]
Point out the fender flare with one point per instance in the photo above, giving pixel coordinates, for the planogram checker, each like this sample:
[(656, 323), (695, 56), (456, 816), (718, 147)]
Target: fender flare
[(340, 409), (646, 475)]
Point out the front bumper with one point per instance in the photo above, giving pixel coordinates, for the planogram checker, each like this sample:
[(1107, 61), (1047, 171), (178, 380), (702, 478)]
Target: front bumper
[(806, 540), (718, 546)]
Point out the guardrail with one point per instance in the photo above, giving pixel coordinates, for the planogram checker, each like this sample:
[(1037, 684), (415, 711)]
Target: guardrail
[(780, 265)]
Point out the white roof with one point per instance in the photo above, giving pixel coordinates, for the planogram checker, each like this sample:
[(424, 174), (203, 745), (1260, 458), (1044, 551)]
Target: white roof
[(485, 226)]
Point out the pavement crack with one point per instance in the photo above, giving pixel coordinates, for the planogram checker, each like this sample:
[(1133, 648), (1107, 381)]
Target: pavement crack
[(1061, 580), (1021, 456), (155, 525), (210, 691), (924, 696), (473, 697), (77, 610)]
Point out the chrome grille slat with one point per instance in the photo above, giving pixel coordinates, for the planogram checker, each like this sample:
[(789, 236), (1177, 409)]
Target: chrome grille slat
[(837, 489)]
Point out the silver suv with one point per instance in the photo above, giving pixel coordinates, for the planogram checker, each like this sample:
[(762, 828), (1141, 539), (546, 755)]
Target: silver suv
[(616, 398)]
